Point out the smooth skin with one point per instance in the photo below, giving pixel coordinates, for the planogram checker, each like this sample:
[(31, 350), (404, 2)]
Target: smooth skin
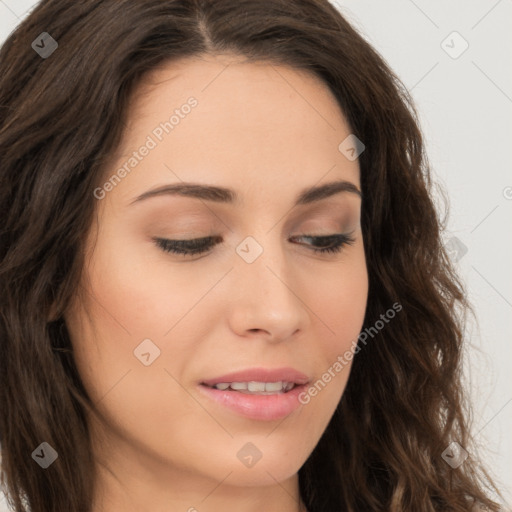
[(267, 132)]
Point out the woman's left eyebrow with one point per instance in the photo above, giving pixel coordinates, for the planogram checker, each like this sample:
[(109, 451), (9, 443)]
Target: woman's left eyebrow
[(226, 195)]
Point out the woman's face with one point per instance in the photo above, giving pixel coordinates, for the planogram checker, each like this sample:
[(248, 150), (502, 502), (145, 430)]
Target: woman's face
[(152, 326)]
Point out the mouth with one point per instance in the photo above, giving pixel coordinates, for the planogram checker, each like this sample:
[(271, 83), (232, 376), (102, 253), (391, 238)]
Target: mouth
[(257, 394), (259, 381), (255, 387)]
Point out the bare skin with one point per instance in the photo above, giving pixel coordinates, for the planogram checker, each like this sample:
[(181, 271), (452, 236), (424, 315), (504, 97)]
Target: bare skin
[(267, 132)]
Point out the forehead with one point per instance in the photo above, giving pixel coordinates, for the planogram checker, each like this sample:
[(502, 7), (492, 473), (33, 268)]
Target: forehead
[(255, 126)]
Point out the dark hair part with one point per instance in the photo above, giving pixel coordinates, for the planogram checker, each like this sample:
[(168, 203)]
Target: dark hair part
[(60, 120)]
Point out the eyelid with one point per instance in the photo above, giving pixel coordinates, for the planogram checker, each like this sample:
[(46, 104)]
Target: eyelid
[(196, 246)]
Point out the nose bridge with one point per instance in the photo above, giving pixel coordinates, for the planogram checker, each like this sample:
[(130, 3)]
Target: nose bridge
[(265, 294), (262, 260)]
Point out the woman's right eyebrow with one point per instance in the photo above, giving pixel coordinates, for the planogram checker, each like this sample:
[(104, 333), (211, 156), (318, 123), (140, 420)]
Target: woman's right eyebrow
[(226, 195)]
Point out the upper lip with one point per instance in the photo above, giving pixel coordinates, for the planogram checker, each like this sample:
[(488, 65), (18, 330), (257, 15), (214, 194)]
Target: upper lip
[(261, 375)]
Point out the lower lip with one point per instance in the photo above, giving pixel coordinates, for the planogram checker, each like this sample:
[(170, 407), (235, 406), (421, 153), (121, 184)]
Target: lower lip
[(257, 407)]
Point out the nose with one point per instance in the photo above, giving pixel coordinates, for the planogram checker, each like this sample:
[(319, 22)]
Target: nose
[(267, 300)]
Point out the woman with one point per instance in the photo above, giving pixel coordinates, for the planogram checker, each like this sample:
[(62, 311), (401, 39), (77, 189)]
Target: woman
[(224, 283)]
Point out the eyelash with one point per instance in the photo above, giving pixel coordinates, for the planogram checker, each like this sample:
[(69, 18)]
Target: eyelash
[(201, 245)]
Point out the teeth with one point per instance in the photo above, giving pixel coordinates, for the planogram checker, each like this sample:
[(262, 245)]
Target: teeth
[(256, 387), (260, 386), (270, 386), (238, 386)]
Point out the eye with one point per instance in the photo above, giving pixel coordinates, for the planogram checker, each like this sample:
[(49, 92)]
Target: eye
[(328, 244), (187, 247)]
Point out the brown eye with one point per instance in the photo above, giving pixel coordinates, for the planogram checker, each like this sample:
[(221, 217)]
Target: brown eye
[(329, 243), (322, 244)]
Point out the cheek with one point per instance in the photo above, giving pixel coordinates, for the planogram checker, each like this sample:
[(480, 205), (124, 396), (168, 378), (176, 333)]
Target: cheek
[(136, 296), (339, 297), (141, 403), (130, 298)]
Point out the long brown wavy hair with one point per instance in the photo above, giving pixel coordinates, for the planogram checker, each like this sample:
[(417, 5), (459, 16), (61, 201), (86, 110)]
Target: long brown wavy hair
[(62, 117)]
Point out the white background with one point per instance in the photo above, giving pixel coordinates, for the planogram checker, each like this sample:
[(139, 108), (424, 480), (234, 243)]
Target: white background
[(465, 105)]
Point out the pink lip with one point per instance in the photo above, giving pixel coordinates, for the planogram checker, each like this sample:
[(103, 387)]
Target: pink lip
[(258, 407), (261, 375)]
